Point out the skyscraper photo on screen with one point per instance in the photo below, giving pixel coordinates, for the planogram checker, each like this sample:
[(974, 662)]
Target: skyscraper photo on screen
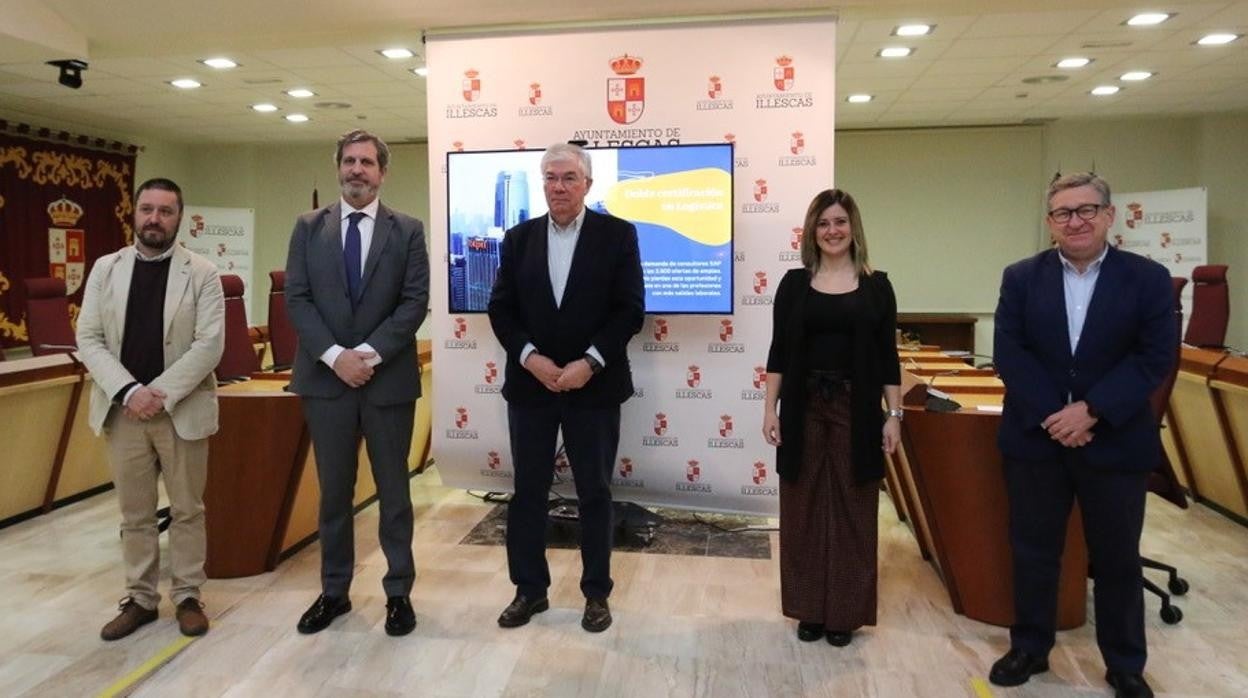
[(678, 196)]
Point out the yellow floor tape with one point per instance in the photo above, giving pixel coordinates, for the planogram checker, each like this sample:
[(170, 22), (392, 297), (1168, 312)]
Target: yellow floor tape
[(981, 689), (128, 681)]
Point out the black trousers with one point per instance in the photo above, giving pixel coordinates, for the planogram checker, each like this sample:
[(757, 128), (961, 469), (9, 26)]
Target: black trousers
[(590, 437), (1112, 505), (336, 425)]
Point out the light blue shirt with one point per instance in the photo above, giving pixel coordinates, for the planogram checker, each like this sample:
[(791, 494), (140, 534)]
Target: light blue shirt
[(1079, 288), (560, 246)]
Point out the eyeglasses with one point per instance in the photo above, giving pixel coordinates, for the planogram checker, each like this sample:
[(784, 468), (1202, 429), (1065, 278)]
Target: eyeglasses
[(568, 180), (1085, 212)]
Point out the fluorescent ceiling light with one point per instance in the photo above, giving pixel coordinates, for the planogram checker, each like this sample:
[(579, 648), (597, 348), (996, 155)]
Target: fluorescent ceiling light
[(1105, 90), (396, 53), (186, 83), (1135, 75), (422, 71), (1217, 39), (895, 52), (297, 118), (301, 93), (264, 107), (1073, 62), (1148, 19), (220, 63), (859, 99), (913, 30)]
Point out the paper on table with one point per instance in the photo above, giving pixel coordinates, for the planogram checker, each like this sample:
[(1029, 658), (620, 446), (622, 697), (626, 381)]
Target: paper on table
[(989, 408)]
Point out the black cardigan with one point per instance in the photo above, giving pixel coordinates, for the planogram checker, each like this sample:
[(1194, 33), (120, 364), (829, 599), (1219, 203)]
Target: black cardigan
[(875, 365)]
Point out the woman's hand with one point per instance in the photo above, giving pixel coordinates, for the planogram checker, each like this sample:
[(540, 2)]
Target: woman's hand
[(771, 428), (892, 434)]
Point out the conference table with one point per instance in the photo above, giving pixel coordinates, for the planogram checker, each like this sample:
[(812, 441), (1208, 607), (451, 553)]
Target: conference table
[(261, 496), (948, 482), (1206, 434)]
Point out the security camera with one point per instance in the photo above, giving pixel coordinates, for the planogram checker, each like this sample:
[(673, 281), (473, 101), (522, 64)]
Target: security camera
[(71, 72)]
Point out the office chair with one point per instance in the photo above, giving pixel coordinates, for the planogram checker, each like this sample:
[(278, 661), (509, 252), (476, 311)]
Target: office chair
[(1163, 482), (47, 317), (238, 360), (1211, 307), (282, 337)]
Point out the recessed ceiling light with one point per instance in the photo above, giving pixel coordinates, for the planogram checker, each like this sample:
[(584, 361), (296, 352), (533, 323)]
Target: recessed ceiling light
[(264, 107), (895, 52), (1105, 90), (859, 99), (1134, 75), (1148, 19), (186, 83), (1072, 62), (1217, 39), (301, 93), (913, 30), (422, 71), (297, 118), (219, 63), (396, 53)]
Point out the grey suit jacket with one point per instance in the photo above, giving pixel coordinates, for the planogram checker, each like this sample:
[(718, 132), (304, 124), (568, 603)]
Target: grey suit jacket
[(392, 305), (194, 324)]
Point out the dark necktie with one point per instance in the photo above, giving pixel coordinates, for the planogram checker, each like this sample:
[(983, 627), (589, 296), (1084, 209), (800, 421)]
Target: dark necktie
[(351, 255)]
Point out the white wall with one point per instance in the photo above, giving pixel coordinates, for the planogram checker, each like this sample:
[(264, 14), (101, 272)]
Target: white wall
[(944, 209)]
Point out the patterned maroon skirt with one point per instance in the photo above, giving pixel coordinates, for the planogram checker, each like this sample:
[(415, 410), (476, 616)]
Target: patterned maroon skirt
[(828, 524)]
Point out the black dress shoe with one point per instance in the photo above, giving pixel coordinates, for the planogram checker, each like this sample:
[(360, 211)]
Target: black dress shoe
[(521, 609), (809, 632), (597, 616), (837, 638), (1128, 685), (400, 618), (322, 613), (1016, 667)]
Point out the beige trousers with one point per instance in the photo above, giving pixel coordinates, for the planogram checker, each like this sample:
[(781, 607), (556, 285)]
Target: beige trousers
[(138, 452)]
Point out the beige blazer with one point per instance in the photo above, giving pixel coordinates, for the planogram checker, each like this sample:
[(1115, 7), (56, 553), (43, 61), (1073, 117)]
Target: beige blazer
[(194, 325)]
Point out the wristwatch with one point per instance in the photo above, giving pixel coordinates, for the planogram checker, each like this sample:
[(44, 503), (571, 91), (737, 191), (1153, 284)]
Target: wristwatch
[(594, 365), (897, 413)]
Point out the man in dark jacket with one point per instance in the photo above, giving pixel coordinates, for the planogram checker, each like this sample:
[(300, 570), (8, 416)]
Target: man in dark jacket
[(1084, 334), (567, 299)]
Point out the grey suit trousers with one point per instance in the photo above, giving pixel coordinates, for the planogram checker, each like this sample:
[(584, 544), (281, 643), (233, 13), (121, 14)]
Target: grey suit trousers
[(336, 425)]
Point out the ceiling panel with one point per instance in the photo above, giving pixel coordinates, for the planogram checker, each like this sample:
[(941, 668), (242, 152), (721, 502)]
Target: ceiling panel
[(971, 67)]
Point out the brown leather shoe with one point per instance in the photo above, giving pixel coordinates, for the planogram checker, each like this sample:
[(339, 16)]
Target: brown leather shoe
[(132, 617), (191, 619)]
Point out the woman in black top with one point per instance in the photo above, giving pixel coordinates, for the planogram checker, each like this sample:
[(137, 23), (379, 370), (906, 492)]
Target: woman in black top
[(833, 355)]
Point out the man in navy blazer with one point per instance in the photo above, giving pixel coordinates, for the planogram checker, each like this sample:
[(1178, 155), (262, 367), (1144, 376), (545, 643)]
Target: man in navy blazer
[(357, 288), (1084, 334), (567, 299)]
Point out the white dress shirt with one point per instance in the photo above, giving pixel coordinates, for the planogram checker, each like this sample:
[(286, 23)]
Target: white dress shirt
[(560, 246)]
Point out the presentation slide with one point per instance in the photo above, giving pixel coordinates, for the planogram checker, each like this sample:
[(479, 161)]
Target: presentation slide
[(678, 196)]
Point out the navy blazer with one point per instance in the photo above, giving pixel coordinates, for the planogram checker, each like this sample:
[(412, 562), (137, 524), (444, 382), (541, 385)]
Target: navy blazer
[(1126, 349), (603, 306), (392, 305)]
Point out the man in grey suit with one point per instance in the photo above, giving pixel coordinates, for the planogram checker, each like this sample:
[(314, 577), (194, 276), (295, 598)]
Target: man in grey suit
[(151, 330), (357, 288)]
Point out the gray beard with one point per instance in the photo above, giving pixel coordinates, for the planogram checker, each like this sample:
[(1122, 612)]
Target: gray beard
[(352, 191)]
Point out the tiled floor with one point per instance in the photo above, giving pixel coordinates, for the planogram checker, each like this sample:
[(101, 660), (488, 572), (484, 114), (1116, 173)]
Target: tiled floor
[(684, 625)]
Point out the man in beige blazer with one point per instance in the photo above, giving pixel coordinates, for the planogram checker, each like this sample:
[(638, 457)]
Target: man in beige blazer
[(150, 332)]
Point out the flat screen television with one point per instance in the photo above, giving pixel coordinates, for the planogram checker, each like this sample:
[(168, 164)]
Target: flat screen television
[(679, 197)]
